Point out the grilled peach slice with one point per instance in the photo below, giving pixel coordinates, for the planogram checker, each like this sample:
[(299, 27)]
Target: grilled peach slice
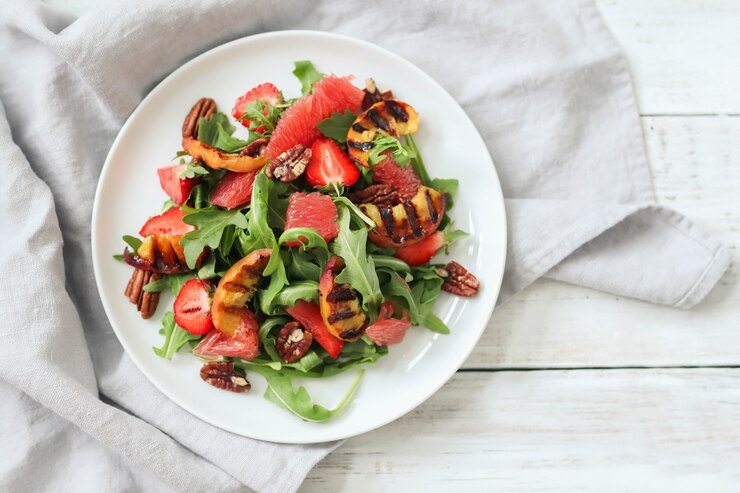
[(218, 159), (408, 222), (200, 151), (389, 117), (340, 304), (160, 253), (235, 289)]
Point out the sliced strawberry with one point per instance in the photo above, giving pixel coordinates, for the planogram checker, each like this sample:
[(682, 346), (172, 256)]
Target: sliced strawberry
[(167, 223), (244, 345), (193, 307), (266, 92), (422, 252), (234, 189), (309, 315), (329, 165), (388, 331), (314, 210), (403, 180), (176, 187)]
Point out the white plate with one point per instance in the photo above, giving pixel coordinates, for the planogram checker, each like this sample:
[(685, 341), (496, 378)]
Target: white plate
[(128, 193)]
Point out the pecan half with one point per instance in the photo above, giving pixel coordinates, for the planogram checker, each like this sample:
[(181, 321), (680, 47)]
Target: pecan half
[(459, 281), (145, 301), (379, 194), (372, 95), (289, 165), (255, 148), (293, 341), (223, 375), (203, 108)]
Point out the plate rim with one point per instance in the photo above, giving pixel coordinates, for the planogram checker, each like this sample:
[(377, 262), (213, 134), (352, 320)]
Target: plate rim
[(96, 255)]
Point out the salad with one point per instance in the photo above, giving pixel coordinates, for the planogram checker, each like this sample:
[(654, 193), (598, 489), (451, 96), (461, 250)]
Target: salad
[(302, 245)]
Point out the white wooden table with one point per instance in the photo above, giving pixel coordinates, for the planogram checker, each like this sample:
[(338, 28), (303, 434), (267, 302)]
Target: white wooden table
[(572, 389)]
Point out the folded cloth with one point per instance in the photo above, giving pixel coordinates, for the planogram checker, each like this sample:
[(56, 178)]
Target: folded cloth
[(544, 83)]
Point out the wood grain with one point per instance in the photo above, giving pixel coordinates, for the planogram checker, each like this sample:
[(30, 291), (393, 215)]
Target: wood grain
[(683, 54), (696, 171), (609, 430)]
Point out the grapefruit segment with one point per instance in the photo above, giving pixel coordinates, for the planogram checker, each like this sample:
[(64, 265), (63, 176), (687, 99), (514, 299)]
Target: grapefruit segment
[(313, 210), (298, 124)]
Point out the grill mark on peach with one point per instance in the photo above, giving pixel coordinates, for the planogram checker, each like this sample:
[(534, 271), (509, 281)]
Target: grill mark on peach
[(379, 121), (433, 213), (343, 314), (386, 215), (361, 146), (341, 294), (396, 111)]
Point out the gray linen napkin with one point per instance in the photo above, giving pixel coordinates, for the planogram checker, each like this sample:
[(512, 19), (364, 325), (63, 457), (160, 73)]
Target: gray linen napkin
[(544, 83)]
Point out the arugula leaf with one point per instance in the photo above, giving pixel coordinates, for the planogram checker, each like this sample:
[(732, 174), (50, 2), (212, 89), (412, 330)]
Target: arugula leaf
[(211, 223), (391, 263), (401, 153), (174, 281), (208, 269), (262, 115), (307, 74), (272, 304), (118, 257), (357, 214), (175, 337), (337, 125), (418, 162), (193, 170), (453, 236), (168, 204), (300, 265), (156, 286), (280, 391), (217, 131), (307, 237), (132, 241), (360, 268)]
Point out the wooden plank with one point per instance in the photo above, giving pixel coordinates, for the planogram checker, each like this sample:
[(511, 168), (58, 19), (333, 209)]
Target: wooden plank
[(613, 430), (683, 55), (694, 163)]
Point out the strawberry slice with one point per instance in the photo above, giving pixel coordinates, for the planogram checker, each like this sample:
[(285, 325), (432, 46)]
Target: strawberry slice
[(388, 331), (234, 189), (422, 252), (193, 307), (176, 187), (403, 180), (329, 165), (167, 223), (266, 92), (244, 345), (309, 315)]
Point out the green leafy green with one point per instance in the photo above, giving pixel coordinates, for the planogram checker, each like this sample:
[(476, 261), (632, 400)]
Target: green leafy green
[(217, 131), (280, 391), (175, 337), (357, 214), (360, 268), (307, 74), (211, 223), (174, 281), (262, 116), (288, 296), (132, 241), (392, 263), (305, 266), (168, 204), (337, 125), (118, 257), (418, 163), (307, 237), (193, 170), (401, 153)]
